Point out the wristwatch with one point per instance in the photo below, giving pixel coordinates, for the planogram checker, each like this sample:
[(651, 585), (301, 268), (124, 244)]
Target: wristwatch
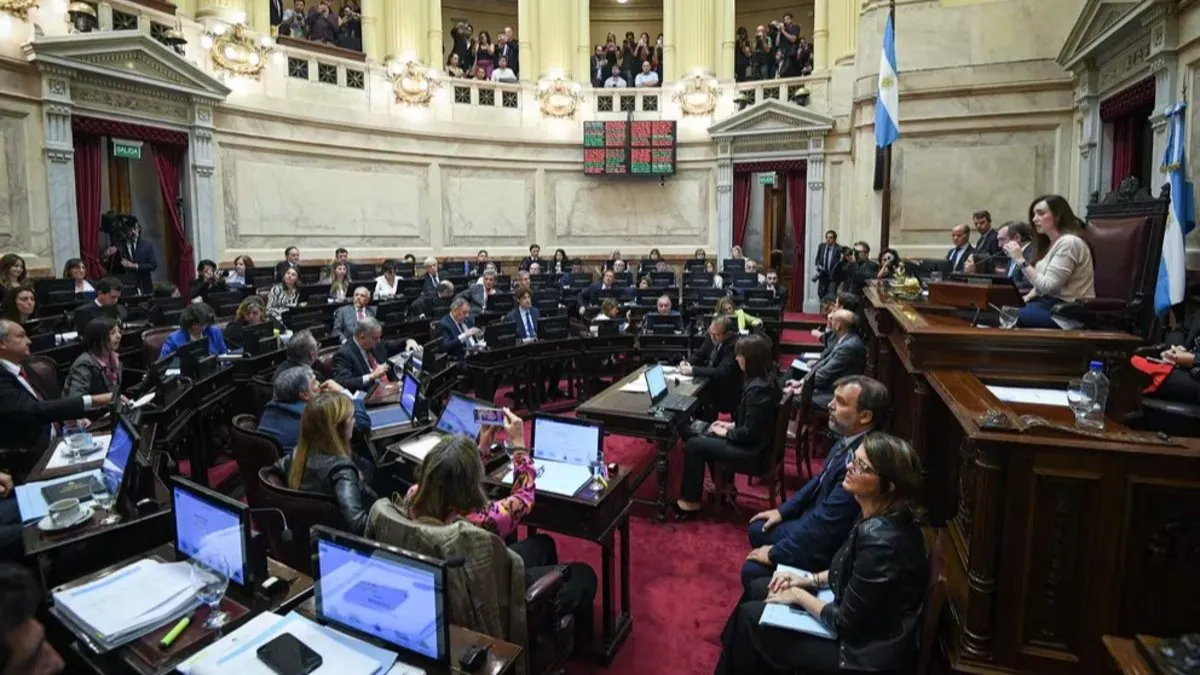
[(1022, 264)]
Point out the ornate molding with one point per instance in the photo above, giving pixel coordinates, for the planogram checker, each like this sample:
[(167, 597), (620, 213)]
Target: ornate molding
[(1127, 61), (130, 102), (816, 187), (18, 8), (723, 189), (57, 87), (60, 155)]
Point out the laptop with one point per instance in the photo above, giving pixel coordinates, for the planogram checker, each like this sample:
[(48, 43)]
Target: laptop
[(458, 417), (111, 474), (660, 398), (565, 452), (396, 417), (386, 596)]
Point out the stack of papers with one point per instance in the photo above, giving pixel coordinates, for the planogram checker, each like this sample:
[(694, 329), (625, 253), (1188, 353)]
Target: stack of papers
[(1029, 395), (795, 618), (32, 504), (131, 602), (341, 654)]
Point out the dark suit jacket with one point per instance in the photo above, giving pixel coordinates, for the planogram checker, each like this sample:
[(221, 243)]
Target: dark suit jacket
[(754, 419), (515, 317), (26, 420), (967, 252), (826, 513), (719, 365), (276, 12), (429, 286), (781, 294), (90, 310), (345, 320), (527, 261), (143, 256), (822, 251), (448, 336), (589, 295), (988, 244), (475, 293), (349, 366), (847, 356), (512, 52)]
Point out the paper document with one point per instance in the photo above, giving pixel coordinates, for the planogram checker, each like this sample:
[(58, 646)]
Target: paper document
[(1029, 395), (60, 458), (32, 504), (143, 400), (808, 356), (637, 386), (249, 632), (794, 618), (557, 478), (340, 653), (132, 601), (801, 365), (418, 447)]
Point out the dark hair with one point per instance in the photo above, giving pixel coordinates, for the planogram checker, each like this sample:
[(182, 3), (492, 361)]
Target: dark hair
[(8, 308), (756, 351), (246, 260), (873, 397), (196, 314), (1023, 231), (727, 324), (523, 293), (340, 251), (1065, 221), (408, 257), (849, 301), (95, 334), (982, 214), (72, 263), (289, 249), (7, 262), (655, 254), (899, 472), (829, 232), (205, 263), (108, 285), (387, 266), (533, 246), (164, 289), (19, 600)]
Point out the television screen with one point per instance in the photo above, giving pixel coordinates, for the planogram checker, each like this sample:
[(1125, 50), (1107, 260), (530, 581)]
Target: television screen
[(617, 147), (652, 148)]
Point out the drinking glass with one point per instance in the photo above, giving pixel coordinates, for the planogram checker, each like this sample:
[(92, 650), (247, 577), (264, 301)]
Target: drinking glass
[(1008, 317), (103, 498), (77, 438), (935, 276), (210, 578), (1079, 398)]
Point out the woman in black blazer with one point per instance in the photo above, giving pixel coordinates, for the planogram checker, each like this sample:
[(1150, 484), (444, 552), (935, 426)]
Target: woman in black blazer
[(250, 312), (743, 441), (98, 369), (878, 580)]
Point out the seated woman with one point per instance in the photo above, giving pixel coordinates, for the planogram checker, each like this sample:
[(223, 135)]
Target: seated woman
[(387, 284), (744, 321), (450, 487), (196, 322), (238, 276), (742, 442), (1182, 384), (611, 311), (322, 463), (285, 294), (98, 369), (339, 281), (206, 281), (878, 579), (1062, 268), (19, 304), (74, 269), (250, 312), (717, 280)]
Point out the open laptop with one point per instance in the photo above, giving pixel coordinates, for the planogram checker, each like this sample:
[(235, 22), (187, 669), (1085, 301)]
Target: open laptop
[(386, 596), (565, 451), (656, 385), (458, 417), (33, 498), (397, 417)]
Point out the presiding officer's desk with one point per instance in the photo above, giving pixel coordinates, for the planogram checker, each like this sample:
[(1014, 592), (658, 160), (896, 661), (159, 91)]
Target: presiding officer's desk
[(1056, 535)]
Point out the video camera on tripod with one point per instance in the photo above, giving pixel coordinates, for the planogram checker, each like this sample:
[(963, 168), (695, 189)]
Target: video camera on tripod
[(119, 227)]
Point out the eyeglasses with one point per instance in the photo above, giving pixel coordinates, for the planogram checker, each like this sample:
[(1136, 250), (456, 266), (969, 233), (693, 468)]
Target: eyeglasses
[(857, 465)]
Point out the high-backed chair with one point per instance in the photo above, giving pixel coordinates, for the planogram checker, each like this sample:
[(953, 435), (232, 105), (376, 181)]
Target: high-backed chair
[(303, 510), (1125, 231), (153, 340), (769, 469), (253, 451), (324, 363), (44, 373)]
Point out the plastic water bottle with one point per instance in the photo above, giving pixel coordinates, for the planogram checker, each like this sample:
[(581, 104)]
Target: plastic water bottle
[(1094, 417)]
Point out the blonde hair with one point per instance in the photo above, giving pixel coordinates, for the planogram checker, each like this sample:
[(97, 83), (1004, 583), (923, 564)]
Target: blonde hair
[(321, 432)]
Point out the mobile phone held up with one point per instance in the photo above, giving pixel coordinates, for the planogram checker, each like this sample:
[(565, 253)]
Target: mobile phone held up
[(492, 417), (287, 655)]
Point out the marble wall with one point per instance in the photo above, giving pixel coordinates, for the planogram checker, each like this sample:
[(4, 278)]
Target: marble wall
[(24, 217)]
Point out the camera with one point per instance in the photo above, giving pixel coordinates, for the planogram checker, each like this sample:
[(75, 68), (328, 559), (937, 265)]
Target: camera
[(119, 227)]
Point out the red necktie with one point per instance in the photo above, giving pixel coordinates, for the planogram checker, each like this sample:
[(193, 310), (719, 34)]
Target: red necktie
[(360, 315), (373, 364), (31, 387)]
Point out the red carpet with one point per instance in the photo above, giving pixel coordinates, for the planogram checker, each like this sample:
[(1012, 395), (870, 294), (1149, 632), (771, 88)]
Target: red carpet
[(804, 316), (797, 336)]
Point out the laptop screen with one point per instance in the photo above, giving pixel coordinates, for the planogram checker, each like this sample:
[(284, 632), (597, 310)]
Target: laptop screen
[(570, 442), (458, 417), (120, 448), (656, 382), (208, 531), (381, 594), (408, 394)]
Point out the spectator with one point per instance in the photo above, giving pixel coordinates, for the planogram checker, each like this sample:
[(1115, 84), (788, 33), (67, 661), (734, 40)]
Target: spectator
[(293, 24), (502, 73), (454, 65), (507, 48), (349, 31), (616, 81), (646, 78), (483, 49), (322, 24)]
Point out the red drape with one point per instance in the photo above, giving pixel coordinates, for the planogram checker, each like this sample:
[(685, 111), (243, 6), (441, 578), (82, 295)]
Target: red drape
[(96, 126), (797, 201), (87, 201), (168, 160), (1125, 142), (741, 206)]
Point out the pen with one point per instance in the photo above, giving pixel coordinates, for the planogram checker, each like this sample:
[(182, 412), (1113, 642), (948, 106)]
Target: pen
[(174, 633)]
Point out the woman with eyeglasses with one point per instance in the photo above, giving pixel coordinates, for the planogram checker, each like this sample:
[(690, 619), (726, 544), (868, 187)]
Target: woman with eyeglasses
[(870, 598)]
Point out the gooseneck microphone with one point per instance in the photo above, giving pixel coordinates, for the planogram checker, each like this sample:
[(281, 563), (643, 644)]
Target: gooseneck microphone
[(286, 533)]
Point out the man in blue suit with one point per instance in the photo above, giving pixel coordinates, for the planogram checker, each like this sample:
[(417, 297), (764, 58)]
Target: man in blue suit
[(525, 316), (808, 529), (133, 255), (457, 331)]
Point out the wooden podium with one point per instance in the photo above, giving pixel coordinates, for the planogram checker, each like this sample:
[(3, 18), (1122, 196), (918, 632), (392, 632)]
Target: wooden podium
[(969, 295)]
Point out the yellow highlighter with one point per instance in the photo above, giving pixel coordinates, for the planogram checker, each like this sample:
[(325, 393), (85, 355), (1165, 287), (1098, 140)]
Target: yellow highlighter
[(174, 633)]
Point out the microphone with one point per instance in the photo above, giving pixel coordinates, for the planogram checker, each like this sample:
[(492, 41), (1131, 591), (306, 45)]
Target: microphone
[(286, 534)]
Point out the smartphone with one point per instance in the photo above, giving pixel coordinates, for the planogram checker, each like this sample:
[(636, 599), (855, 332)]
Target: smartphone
[(287, 655), (491, 417)]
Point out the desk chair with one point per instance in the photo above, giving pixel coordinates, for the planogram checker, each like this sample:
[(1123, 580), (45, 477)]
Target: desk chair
[(303, 510), (812, 437), (152, 342), (323, 366), (44, 371), (253, 452), (935, 598), (769, 470), (261, 393)]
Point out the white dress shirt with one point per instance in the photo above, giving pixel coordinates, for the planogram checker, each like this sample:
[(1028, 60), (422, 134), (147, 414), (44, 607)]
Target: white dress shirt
[(649, 79), (503, 75), (16, 372), (385, 290), (615, 82)]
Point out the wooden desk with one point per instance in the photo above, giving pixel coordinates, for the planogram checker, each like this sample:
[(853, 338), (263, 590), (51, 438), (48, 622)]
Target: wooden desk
[(127, 660), (1128, 658), (628, 414), (501, 655)]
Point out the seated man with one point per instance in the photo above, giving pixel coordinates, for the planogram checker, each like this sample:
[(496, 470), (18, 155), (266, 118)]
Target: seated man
[(364, 359), (346, 318), (293, 389), (478, 294), (591, 295), (422, 305), (24, 649), (107, 303), (715, 360), (457, 331), (808, 529), (772, 284), (302, 350), (844, 354)]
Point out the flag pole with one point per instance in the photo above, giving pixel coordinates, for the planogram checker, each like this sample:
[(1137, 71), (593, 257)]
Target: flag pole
[(885, 219)]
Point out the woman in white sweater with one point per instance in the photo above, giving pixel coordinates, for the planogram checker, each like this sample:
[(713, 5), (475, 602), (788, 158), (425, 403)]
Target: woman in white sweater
[(1062, 269)]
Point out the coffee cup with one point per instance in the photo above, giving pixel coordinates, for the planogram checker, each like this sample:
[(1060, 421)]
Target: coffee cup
[(64, 511)]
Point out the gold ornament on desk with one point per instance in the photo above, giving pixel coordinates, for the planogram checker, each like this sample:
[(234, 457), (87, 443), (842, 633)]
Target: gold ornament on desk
[(18, 8), (697, 94), (558, 97), (236, 52), (413, 83)]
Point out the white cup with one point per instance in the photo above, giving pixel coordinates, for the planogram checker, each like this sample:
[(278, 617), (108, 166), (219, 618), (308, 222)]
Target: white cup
[(64, 511)]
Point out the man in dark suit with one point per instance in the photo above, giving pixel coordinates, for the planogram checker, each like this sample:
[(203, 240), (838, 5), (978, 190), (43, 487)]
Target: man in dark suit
[(507, 48), (599, 67), (363, 359), (422, 305), (772, 284), (525, 316), (962, 247), (844, 354), (292, 391), (429, 284), (535, 256), (291, 261), (346, 318), (987, 244), (591, 295), (302, 350), (716, 361), (478, 294), (828, 258), (134, 255), (107, 303), (1000, 263), (807, 530), (28, 413), (457, 332), (276, 12)]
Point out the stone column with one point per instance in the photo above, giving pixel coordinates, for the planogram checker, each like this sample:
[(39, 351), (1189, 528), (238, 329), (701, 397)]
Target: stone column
[(406, 30), (724, 200), (526, 18), (1164, 66), (200, 183), (435, 34), (842, 24), (260, 17), (554, 40), (820, 35), (814, 220), (372, 29), (1091, 130), (726, 35), (229, 11), (692, 26), (582, 70), (58, 144)]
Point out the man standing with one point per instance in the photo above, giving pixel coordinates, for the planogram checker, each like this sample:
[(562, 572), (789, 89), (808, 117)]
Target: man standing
[(827, 262), (134, 255)]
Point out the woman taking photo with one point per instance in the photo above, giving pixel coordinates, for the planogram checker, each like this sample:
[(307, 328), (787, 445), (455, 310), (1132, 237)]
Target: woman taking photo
[(742, 442), (98, 369), (285, 294), (321, 462), (878, 579), (75, 270), (1062, 269), (195, 323), (250, 312)]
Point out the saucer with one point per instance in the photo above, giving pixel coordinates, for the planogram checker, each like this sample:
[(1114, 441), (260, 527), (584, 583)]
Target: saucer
[(95, 446), (47, 524)]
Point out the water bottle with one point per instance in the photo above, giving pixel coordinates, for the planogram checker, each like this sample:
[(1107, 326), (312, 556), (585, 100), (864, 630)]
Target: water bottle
[(1096, 383)]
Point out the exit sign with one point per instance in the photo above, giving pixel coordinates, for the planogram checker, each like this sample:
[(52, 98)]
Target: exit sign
[(126, 149), (766, 179)]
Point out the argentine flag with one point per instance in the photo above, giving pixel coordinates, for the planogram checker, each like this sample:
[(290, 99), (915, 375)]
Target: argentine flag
[(1181, 217), (887, 101)]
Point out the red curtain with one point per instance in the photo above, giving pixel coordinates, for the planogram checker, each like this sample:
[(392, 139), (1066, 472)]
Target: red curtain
[(741, 206), (797, 201), (87, 201), (1125, 142), (101, 127), (168, 160)]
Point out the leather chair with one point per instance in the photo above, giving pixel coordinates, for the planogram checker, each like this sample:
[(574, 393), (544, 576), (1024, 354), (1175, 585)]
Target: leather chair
[(43, 371), (324, 363), (153, 340), (253, 451), (261, 392), (1125, 231), (303, 510)]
